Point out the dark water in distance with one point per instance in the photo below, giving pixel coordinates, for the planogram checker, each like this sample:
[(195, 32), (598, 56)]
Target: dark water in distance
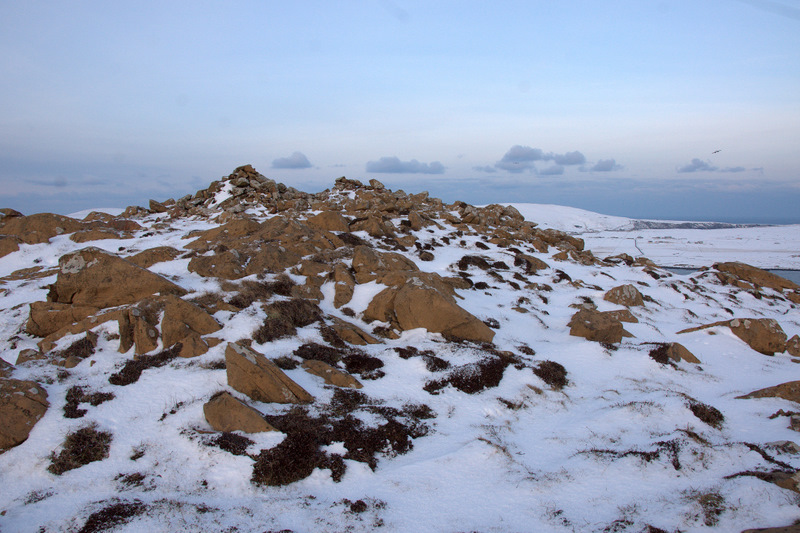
[(791, 275)]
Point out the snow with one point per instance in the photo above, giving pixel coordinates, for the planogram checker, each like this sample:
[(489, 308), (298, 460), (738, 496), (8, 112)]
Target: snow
[(484, 466)]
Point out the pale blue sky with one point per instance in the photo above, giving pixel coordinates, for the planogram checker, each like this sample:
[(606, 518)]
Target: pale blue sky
[(614, 106)]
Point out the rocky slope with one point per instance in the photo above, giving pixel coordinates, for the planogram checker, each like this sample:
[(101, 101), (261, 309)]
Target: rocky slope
[(281, 353)]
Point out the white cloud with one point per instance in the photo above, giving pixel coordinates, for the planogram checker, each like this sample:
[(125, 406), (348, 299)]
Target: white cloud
[(296, 160), (393, 165)]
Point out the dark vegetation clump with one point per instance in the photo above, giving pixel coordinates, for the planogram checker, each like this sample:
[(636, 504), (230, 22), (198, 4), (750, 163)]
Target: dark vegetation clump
[(351, 240), (552, 373), (80, 448), (132, 370), (81, 349), (706, 413), (659, 354), (473, 260), (284, 317), (527, 350), (330, 336), (77, 396), (300, 452), (482, 246), (432, 362), (355, 361), (472, 378), (492, 323), (253, 291), (112, 516), (285, 362), (231, 442), (481, 285)]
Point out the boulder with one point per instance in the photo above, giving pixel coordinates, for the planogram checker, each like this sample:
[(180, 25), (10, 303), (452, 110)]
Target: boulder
[(6, 368), (22, 404), (151, 256), (788, 391), (96, 278), (764, 335), (755, 276), (40, 228), (597, 326), (353, 334), (252, 374), (97, 235), (331, 375), (229, 264), (157, 207), (532, 264), (369, 264), (9, 244), (223, 412), (329, 221), (344, 285), (417, 305), (626, 295), (678, 352), (182, 317), (48, 317), (793, 346), (138, 330)]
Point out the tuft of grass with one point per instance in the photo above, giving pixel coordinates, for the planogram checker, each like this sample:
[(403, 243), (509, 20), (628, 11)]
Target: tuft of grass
[(80, 448), (706, 413), (113, 515), (81, 349), (472, 378), (284, 317), (255, 291), (132, 370), (231, 442), (552, 373), (76, 396)]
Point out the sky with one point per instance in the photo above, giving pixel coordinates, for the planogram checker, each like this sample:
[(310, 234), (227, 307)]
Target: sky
[(681, 109)]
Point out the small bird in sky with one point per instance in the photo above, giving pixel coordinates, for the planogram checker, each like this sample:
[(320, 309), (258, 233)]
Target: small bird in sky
[(715, 151)]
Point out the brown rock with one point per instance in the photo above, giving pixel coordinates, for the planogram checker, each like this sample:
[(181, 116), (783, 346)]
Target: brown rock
[(223, 412), (252, 374), (353, 334), (329, 221), (22, 404), (6, 368), (678, 352), (96, 278), (136, 329), (39, 228), (626, 295), (369, 264), (788, 391), (531, 264), (421, 306), (345, 285), (48, 317), (793, 346), (150, 257), (88, 323), (157, 207), (381, 308), (331, 375), (597, 326), (229, 264), (97, 235), (9, 244), (181, 318), (756, 276), (763, 335)]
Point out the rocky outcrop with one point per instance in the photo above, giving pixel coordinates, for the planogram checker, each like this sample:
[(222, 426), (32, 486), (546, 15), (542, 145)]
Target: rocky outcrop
[(223, 412), (626, 295), (788, 391), (46, 318), (185, 322), (93, 277), (252, 374), (735, 272), (22, 404), (151, 256), (678, 352), (39, 228), (793, 346), (763, 335), (597, 326)]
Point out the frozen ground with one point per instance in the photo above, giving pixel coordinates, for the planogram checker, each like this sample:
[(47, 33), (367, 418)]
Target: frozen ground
[(618, 449), (769, 247)]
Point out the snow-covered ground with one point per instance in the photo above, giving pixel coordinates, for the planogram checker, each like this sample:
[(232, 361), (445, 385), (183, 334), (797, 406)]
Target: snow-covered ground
[(518, 457), (769, 247)]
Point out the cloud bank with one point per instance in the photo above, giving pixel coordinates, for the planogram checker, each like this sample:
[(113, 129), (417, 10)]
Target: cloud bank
[(698, 165), (520, 159), (296, 160), (393, 165)]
